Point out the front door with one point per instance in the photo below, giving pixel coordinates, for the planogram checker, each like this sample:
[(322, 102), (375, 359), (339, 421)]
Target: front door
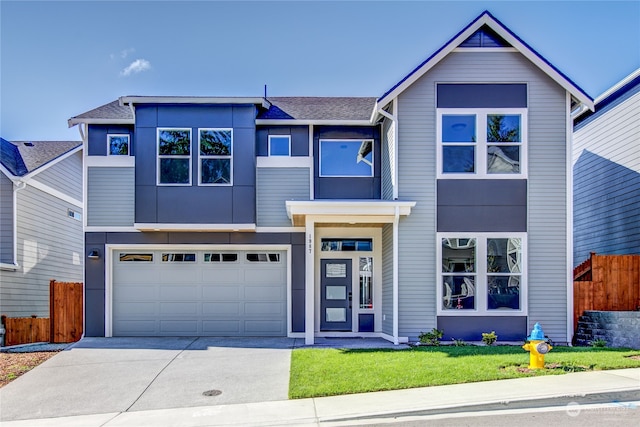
[(335, 288)]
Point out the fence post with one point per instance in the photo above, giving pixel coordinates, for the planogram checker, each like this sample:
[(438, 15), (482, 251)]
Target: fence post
[(52, 294)]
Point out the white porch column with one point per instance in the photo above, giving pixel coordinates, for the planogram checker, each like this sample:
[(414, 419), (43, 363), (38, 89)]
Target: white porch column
[(309, 281), (396, 219)]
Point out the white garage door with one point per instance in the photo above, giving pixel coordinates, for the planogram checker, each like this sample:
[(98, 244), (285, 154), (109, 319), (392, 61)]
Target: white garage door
[(199, 293)]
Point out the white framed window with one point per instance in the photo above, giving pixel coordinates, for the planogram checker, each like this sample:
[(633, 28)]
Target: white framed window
[(74, 214), (486, 143), (215, 156), (482, 274), (117, 144), (346, 158), (279, 145), (366, 282), (174, 156)]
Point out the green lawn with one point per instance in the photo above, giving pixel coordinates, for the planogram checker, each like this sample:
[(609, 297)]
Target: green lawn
[(329, 372)]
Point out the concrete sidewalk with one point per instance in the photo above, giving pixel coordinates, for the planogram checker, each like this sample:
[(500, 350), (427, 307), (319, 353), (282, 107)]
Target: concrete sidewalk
[(369, 407)]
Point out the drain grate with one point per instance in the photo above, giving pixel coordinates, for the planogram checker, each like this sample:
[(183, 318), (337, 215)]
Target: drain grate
[(212, 393)]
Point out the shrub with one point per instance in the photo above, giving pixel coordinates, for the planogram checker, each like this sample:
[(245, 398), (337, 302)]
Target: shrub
[(458, 342), (599, 343), (431, 338), (489, 337)]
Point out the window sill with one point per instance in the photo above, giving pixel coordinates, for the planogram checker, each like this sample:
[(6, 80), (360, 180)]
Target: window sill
[(9, 267)]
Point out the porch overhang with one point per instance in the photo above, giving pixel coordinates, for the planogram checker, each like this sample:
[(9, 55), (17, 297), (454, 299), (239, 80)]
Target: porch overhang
[(348, 211)]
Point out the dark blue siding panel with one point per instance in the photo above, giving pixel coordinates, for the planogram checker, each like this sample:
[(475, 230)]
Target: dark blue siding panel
[(299, 139), (244, 157), (348, 188), (244, 204), (146, 200), (244, 116), (146, 160), (97, 138), (195, 116), (297, 281), (482, 205), (482, 95), (511, 328), (146, 115), (606, 212), (195, 205)]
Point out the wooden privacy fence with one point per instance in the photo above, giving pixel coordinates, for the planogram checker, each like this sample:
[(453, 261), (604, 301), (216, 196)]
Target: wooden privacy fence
[(64, 324), (606, 283)]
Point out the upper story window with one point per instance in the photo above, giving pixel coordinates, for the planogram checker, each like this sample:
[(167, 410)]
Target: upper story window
[(346, 157), (483, 143), (279, 145), (118, 145), (174, 156), (215, 156)]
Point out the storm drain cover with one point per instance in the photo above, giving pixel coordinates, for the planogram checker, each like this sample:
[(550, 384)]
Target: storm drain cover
[(212, 393)]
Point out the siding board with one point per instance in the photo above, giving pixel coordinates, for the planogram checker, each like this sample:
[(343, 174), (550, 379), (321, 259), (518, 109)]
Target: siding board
[(110, 196), (274, 187)]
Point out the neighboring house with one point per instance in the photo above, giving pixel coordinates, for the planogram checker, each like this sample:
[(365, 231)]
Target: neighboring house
[(606, 177), (40, 222), (444, 203)]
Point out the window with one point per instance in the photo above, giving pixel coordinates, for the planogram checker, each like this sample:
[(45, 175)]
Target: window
[(175, 257), (346, 245), (216, 155), (174, 156), (118, 145), (262, 257), (346, 158), (220, 257), (484, 143), (129, 257), (279, 145), (366, 282), (73, 214), (482, 274)]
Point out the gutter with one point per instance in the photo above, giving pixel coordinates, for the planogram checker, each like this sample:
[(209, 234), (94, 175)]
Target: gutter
[(17, 186)]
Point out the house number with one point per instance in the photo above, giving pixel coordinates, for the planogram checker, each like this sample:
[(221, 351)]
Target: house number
[(310, 243)]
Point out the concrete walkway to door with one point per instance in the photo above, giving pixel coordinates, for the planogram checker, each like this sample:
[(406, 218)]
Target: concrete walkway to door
[(103, 375)]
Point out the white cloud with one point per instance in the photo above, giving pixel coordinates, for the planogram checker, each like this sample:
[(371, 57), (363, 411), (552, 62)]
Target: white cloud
[(137, 66)]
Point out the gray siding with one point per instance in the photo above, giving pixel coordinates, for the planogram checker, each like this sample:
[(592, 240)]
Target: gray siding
[(547, 188), (274, 187), (606, 195), (388, 158), (110, 196), (65, 176), (387, 279), (49, 247), (6, 220)]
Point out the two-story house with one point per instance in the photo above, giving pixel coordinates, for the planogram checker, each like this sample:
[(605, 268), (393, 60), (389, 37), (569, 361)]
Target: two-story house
[(443, 203), (606, 155)]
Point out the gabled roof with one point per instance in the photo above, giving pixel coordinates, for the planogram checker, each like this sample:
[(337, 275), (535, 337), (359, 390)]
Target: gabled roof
[(24, 157), (623, 89), (111, 113), (318, 109), (503, 35)]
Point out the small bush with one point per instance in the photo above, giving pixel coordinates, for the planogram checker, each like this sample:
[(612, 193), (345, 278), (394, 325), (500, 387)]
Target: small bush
[(431, 338), (489, 337), (458, 342), (599, 343)]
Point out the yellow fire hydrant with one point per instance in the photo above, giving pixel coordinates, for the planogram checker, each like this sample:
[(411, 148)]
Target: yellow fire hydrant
[(537, 347)]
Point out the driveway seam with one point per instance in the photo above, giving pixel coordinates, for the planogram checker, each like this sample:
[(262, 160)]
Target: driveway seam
[(160, 372)]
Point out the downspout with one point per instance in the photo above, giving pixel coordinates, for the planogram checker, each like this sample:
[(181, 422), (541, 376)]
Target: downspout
[(396, 219), (394, 121), (17, 186), (569, 223)]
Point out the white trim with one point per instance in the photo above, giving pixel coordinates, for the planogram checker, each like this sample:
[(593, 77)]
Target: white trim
[(480, 292), (110, 259), (362, 209), (401, 340), (91, 121), (291, 122), (174, 156), (309, 287), (9, 267), (486, 19), (481, 144), (110, 161), (214, 157), (617, 86), (151, 226), (109, 229), (485, 49), (339, 140), (396, 279), (109, 135), (569, 225), (194, 100), (280, 229), (55, 193), (269, 146), (284, 162)]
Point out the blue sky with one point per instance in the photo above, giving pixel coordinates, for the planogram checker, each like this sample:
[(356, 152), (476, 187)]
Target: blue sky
[(59, 59)]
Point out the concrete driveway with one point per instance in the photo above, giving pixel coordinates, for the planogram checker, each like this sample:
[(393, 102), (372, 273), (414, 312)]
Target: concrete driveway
[(102, 375)]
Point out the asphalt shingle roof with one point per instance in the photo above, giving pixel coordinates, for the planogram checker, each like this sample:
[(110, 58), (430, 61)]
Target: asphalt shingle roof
[(23, 157), (282, 108)]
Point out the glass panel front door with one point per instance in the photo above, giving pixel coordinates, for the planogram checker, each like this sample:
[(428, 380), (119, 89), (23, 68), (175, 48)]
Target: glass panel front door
[(336, 295)]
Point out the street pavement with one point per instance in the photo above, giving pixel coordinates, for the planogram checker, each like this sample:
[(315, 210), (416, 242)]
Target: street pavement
[(117, 382)]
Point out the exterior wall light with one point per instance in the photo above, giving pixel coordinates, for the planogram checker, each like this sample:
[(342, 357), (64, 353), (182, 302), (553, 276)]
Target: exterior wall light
[(94, 254)]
